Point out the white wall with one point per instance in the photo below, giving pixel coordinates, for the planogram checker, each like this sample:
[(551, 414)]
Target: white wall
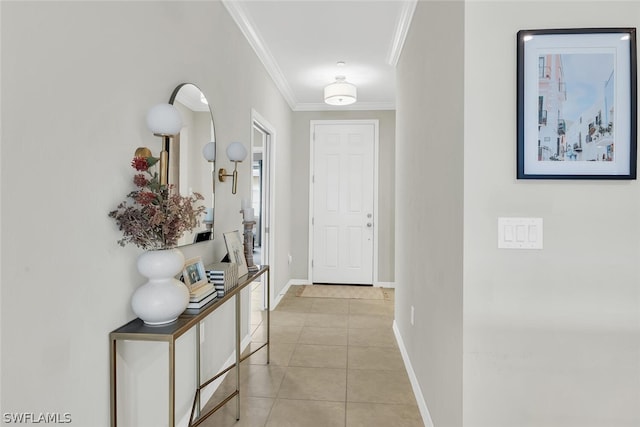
[(429, 208), (550, 336), (77, 80), (300, 188)]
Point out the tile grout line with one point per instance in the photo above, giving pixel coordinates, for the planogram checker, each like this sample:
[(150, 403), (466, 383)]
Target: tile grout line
[(346, 381), (351, 305)]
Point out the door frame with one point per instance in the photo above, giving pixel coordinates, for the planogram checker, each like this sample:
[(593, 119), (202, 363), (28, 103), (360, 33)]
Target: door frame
[(376, 162), (268, 162)]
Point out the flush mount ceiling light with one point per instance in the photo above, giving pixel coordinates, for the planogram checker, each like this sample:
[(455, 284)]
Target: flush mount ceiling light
[(340, 92)]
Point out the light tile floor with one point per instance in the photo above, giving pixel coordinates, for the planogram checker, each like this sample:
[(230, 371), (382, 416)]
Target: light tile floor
[(334, 363)]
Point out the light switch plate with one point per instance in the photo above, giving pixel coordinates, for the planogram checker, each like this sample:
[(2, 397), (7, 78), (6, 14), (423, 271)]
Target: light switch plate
[(519, 233)]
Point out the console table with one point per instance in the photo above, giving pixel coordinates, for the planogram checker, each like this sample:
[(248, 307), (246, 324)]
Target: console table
[(136, 330)]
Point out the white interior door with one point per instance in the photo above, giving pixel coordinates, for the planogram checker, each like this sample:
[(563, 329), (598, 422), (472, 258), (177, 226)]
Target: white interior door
[(343, 203)]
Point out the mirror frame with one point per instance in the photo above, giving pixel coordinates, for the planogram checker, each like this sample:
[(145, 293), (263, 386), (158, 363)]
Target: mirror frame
[(167, 146)]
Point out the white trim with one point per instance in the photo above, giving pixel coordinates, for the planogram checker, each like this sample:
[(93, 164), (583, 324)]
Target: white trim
[(284, 291), (310, 225), (296, 282), (257, 118), (358, 106), (384, 285), (402, 29), (251, 33), (376, 173), (417, 392)]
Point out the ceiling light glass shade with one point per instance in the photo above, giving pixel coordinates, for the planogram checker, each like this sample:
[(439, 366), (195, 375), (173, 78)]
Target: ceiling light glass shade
[(164, 119), (209, 151), (236, 152), (340, 93)]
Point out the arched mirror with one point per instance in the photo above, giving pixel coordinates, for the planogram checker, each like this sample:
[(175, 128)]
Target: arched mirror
[(188, 169)]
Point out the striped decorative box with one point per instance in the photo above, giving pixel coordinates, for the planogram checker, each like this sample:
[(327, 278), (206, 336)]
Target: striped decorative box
[(224, 276)]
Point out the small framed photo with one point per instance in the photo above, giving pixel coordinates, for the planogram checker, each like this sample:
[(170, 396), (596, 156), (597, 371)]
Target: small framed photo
[(577, 104), (194, 274), (235, 249)]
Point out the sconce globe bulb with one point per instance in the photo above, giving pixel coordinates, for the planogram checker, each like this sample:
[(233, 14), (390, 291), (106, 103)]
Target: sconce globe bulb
[(209, 151), (236, 152), (164, 119)]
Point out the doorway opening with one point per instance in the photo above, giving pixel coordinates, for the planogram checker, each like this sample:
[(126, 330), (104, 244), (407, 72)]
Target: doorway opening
[(262, 138)]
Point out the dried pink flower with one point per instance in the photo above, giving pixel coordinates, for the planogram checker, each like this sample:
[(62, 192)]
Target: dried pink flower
[(145, 198), (158, 215), (140, 180), (140, 164)]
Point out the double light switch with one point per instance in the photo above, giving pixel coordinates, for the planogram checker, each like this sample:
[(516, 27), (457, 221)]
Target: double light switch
[(520, 233)]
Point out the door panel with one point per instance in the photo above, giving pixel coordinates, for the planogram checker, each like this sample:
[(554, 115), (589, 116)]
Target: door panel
[(343, 195)]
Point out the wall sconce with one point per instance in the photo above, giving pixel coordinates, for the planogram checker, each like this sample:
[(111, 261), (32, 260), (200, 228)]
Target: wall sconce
[(236, 153), (164, 121), (209, 152)]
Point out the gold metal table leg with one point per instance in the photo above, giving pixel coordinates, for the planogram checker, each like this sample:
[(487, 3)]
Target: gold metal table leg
[(172, 383), (238, 323), (198, 370), (268, 316), (114, 395)]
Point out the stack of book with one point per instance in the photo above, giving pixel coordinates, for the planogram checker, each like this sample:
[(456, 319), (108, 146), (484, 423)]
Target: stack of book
[(202, 295), (223, 276)]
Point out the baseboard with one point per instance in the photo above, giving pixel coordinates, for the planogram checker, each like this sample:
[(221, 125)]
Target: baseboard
[(384, 285), (284, 291), (209, 390), (422, 405), (307, 282)]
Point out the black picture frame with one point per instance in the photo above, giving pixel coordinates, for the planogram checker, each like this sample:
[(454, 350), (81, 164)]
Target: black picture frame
[(577, 104)]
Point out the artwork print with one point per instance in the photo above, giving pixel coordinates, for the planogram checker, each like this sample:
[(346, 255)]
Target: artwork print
[(577, 104), (576, 107)]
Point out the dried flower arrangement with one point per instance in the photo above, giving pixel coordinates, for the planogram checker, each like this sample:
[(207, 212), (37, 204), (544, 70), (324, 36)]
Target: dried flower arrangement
[(158, 215)]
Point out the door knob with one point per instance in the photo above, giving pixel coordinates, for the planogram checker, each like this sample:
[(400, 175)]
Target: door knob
[(369, 225)]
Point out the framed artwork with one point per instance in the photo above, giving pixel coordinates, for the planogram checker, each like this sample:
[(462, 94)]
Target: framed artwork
[(235, 249), (194, 274), (576, 105)]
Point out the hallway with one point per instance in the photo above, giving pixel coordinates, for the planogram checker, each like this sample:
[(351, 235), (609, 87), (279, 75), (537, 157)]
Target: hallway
[(334, 363)]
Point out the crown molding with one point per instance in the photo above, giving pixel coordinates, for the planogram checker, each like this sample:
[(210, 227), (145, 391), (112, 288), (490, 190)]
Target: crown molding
[(358, 106), (242, 19), (402, 29)]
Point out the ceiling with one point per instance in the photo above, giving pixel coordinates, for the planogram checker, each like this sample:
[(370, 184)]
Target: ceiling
[(301, 41)]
